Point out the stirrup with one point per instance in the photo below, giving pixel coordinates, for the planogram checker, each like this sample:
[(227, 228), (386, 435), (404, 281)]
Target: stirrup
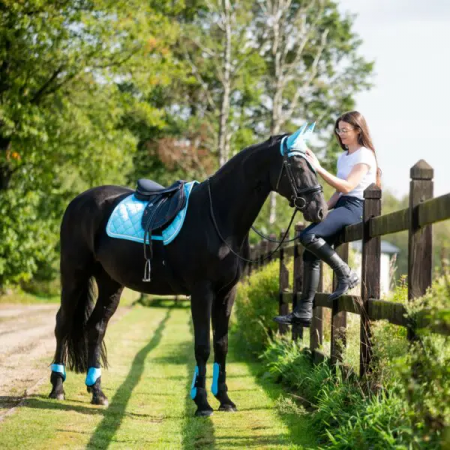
[(147, 270)]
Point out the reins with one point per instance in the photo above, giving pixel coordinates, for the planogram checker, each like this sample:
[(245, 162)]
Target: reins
[(229, 247)]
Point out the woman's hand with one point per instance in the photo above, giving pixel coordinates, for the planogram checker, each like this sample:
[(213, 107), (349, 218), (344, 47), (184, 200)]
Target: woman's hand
[(312, 158)]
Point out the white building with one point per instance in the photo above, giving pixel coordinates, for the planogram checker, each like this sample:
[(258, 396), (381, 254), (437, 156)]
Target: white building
[(388, 250)]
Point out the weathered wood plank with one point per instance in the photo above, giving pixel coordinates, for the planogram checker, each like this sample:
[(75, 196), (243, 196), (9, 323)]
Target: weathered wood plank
[(434, 210), (353, 232), (348, 303), (389, 223), (393, 312), (350, 233)]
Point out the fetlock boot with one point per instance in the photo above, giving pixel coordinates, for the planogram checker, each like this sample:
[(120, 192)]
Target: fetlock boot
[(346, 277), (302, 314)]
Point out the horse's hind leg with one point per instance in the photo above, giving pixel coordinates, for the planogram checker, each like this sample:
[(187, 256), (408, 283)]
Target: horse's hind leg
[(220, 318), (109, 292), (74, 295)]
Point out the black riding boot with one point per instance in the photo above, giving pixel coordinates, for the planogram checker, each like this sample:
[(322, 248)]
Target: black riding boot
[(346, 277), (302, 313)]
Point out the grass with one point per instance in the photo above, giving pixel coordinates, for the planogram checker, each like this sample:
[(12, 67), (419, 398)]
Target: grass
[(151, 356)]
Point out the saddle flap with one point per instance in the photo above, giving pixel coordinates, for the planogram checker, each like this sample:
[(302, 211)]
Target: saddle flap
[(162, 209)]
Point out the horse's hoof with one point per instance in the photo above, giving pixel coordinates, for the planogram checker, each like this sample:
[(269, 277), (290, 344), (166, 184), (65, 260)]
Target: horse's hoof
[(227, 408), (57, 395), (203, 413), (102, 401)]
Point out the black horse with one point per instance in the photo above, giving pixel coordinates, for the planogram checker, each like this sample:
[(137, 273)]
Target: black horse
[(198, 263)]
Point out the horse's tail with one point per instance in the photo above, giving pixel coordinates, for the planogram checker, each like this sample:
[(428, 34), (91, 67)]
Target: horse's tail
[(76, 342), (79, 289)]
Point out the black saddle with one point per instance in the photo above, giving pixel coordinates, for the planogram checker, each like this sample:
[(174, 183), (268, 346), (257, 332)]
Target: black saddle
[(148, 188), (163, 205)]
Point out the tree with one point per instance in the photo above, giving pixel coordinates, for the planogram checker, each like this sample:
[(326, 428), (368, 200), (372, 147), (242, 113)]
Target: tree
[(63, 65), (219, 51), (313, 68)]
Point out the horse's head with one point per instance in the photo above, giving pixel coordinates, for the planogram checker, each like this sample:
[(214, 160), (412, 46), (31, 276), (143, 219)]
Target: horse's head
[(295, 178)]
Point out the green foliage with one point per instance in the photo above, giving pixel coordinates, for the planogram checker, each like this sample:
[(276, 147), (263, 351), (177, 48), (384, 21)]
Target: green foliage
[(62, 110), (27, 240)]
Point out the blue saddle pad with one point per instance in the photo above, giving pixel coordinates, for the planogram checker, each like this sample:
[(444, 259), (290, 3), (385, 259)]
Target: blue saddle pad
[(125, 220)]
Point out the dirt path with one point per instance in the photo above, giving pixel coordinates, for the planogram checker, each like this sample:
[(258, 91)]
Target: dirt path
[(27, 343)]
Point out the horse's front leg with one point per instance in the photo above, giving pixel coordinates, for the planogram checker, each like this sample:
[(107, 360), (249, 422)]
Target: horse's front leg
[(201, 303), (109, 292), (221, 317)]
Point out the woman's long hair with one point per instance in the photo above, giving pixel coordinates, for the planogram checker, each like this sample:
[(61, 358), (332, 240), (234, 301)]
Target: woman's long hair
[(356, 120)]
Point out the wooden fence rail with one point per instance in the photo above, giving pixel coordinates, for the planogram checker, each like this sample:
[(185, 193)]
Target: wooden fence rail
[(423, 211)]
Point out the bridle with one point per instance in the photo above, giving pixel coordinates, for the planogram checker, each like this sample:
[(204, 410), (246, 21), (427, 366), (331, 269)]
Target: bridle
[(297, 200)]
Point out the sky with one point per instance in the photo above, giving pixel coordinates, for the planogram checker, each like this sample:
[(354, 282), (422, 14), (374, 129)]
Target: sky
[(408, 109)]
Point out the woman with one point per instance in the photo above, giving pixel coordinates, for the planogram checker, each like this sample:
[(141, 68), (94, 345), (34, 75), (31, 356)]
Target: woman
[(357, 168)]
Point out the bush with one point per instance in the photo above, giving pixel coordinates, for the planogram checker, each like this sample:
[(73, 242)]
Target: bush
[(256, 306)]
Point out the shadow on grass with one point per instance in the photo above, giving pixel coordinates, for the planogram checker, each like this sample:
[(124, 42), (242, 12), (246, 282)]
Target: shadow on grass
[(298, 424), (165, 302), (113, 416)]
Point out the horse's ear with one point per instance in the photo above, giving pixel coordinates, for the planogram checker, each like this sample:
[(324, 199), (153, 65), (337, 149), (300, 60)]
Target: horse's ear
[(300, 137), (293, 137), (310, 131)]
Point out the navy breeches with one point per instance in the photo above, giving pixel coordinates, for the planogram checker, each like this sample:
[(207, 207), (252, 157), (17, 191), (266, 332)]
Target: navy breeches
[(348, 210)]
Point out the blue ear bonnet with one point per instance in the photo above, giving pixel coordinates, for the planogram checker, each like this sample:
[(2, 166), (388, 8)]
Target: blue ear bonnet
[(295, 144)]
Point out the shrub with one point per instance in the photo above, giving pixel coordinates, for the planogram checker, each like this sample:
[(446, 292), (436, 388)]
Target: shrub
[(256, 306)]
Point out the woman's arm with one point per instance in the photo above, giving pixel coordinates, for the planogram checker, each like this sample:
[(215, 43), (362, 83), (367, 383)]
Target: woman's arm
[(344, 186), (333, 200)]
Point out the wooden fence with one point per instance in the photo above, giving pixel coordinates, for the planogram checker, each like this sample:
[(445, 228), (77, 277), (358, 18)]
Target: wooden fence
[(423, 211)]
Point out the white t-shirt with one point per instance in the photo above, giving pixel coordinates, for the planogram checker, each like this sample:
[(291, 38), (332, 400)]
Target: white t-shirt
[(345, 165)]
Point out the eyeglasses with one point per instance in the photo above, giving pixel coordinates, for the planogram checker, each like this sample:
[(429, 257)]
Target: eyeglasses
[(343, 130)]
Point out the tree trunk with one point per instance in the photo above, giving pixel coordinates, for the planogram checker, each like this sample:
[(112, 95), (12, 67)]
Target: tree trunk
[(226, 82)]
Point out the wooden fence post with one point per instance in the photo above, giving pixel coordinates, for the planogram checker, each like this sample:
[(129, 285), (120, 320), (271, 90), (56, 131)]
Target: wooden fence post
[(316, 328), (420, 240), (252, 257), (271, 246), (370, 279), (297, 331), (256, 265), (283, 308), (338, 319), (263, 246)]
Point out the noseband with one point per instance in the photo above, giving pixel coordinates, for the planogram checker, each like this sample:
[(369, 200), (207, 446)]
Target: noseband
[(297, 198)]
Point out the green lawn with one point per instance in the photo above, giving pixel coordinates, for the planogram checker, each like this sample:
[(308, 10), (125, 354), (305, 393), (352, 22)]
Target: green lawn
[(151, 357)]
